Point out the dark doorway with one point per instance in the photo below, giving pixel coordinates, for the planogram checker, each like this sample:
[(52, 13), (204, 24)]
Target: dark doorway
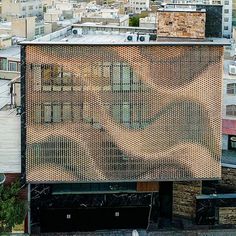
[(89, 219), (166, 196)]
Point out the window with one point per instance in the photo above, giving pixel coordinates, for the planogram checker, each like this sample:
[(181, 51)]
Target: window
[(226, 3), (226, 28), (58, 112), (121, 113), (55, 79), (226, 19), (123, 78), (12, 66), (36, 31), (23, 8), (130, 115), (42, 30), (226, 11), (231, 88), (31, 7), (3, 64), (231, 110)]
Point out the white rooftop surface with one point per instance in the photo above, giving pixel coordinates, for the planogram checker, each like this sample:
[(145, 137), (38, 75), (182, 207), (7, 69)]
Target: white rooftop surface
[(12, 52), (10, 142), (5, 25), (96, 38), (4, 93), (113, 37)]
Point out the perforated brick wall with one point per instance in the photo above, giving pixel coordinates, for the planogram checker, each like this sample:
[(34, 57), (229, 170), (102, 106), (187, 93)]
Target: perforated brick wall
[(122, 113)]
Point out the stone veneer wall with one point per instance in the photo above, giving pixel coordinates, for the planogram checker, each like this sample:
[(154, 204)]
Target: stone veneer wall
[(184, 198), (227, 215), (181, 24), (228, 177)]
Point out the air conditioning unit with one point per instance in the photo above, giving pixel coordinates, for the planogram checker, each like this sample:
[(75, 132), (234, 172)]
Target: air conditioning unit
[(77, 31), (132, 37), (232, 69), (144, 38)]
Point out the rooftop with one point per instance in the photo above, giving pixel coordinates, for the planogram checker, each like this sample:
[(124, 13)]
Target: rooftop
[(4, 92), (114, 35), (10, 161), (12, 52)]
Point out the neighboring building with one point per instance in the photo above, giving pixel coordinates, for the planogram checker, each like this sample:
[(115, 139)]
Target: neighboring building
[(181, 22), (229, 106), (5, 41), (10, 59), (233, 12), (24, 28), (10, 161), (21, 8), (29, 28), (111, 118), (214, 18), (149, 21), (226, 12), (137, 6), (106, 17)]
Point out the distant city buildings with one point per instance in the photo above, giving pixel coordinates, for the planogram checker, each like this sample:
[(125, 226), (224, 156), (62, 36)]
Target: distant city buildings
[(137, 6), (11, 9)]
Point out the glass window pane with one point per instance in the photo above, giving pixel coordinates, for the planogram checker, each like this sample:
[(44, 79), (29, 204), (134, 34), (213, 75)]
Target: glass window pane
[(126, 113), (116, 73), (56, 111), (66, 111), (116, 112), (47, 113)]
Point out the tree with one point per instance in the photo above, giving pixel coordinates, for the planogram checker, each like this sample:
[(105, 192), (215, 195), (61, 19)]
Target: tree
[(134, 20), (12, 208)]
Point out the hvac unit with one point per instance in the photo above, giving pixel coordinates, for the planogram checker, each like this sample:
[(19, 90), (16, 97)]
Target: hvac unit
[(232, 69), (144, 38), (77, 31), (131, 37)]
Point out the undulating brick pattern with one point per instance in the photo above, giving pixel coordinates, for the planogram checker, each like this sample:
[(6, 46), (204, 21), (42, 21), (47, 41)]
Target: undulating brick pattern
[(179, 24), (122, 113), (184, 198)]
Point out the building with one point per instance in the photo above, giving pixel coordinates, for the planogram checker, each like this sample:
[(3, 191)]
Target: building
[(21, 8), (226, 12), (30, 27), (234, 13), (10, 59), (229, 106), (149, 21), (138, 6), (106, 16), (104, 133)]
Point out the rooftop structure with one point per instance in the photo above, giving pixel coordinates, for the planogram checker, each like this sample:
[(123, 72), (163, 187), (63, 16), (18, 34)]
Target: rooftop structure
[(93, 34)]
